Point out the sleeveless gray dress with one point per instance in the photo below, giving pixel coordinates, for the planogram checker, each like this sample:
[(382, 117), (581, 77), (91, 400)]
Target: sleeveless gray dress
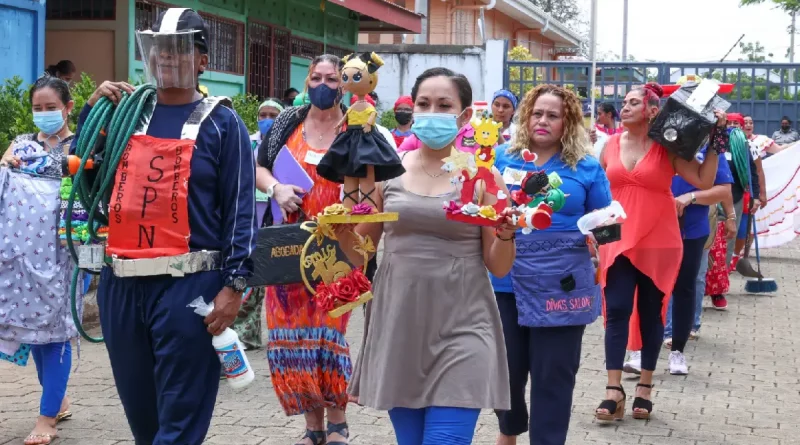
[(433, 334)]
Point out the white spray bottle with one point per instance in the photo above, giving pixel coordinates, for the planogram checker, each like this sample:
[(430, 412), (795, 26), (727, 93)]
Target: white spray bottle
[(229, 349)]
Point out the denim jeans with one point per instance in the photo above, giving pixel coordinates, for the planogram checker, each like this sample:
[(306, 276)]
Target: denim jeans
[(700, 291)]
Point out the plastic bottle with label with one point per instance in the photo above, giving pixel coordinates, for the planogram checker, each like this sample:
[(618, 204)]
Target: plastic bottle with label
[(230, 351), (234, 361)]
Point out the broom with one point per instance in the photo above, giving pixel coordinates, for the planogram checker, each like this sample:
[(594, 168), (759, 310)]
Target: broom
[(743, 266), (760, 284)]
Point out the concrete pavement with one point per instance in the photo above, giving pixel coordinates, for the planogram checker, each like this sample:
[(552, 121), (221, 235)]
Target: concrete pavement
[(744, 387)]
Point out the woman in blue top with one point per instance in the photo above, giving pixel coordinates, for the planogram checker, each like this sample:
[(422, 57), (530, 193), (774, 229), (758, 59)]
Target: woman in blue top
[(551, 294)]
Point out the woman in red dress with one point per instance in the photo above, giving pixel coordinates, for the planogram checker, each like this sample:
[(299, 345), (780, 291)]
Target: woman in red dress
[(640, 270)]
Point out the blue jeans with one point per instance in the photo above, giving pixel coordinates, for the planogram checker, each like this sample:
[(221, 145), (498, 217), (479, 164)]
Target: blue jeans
[(435, 425), (700, 291), (53, 362)]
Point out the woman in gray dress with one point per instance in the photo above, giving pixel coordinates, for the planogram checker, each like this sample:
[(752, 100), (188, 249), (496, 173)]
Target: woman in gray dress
[(433, 352)]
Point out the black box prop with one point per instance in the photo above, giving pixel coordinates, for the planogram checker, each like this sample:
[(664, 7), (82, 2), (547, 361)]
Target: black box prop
[(680, 128), (277, 256)]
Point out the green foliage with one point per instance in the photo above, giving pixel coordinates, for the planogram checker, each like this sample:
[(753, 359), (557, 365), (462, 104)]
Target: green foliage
[(754, 52), (387, 120), (786, 5), (524, 74), (565, 11), (246, 105), (81, 92), (16, 116)]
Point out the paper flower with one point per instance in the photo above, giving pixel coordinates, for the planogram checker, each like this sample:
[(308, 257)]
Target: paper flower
[(470, 209), (344, 290), (488, 212), (451, 207), (335, 209), (362, 209), (323, 297), (361, 281)]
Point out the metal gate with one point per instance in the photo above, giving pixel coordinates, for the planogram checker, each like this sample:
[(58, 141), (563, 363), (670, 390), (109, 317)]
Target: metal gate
[(765, 91)]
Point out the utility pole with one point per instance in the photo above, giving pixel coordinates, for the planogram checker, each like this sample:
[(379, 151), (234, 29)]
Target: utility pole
[(791, 36), (625, 31)]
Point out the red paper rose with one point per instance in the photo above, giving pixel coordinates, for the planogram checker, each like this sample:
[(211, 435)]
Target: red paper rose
[(324, 297), (345, 290), (361, 281)]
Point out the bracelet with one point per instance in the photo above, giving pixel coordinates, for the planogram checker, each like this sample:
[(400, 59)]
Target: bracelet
[(497, 234)]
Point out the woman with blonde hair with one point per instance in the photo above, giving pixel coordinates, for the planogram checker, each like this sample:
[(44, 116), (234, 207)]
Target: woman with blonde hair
[(553, 265)]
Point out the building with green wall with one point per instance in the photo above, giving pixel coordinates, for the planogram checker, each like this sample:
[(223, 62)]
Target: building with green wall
[(257, 46)]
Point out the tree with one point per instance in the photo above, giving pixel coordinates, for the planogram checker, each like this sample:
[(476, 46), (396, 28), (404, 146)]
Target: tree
[(754, 52), (565, 11), (787, 5)]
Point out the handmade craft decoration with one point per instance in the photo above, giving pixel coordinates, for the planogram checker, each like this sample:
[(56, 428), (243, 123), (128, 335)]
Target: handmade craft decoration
[(359, 157), (604, 225), (685, 122), (336, 286), (473, 174), (80, 219), (538, 197)]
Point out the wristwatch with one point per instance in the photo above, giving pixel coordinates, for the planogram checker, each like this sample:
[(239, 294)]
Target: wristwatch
[(238, 284), (694, 198), (271, 190)]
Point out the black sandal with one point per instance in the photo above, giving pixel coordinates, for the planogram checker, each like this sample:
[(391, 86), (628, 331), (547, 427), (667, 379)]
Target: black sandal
[(349, 195), (338, 428), (368, 197), (643, 404), (616, 409), (317, 437)]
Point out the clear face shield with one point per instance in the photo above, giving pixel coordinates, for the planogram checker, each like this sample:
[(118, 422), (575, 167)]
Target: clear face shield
[(169, 58)]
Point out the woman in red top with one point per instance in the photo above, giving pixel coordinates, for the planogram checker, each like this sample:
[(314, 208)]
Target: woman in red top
[(641, 268)]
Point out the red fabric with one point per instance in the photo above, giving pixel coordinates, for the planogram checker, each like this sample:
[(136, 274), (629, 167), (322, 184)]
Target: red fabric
[(736, 117), (404, 100), (149, 209), (651, 237), (717, 277), (746, 203), (610, 131), (369, 100)]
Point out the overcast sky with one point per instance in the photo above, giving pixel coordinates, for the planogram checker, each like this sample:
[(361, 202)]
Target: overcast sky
[(713, 26)]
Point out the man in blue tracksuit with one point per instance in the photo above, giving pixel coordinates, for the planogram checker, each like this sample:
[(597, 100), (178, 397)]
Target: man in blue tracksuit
[(183, 199)]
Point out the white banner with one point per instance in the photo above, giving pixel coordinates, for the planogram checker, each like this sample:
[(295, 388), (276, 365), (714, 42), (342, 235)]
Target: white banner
[(779, 222)]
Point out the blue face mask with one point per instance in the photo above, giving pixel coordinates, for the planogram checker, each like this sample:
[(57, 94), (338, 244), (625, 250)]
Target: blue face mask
[(323, 97), (49, 122), (435, 130), (264, 125)]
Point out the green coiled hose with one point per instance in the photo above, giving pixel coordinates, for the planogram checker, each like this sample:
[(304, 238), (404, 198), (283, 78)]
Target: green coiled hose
[(740, 152), (105, 134)]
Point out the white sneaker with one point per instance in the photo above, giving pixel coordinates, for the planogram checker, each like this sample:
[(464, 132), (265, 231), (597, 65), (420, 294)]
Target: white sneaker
[(634, 363), (677, 363), (694, 335)]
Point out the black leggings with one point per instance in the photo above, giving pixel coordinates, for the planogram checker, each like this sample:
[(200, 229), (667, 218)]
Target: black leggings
[(622, 280), (683, 294)]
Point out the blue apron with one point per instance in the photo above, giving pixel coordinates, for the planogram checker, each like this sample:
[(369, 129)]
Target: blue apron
[(545, 260)]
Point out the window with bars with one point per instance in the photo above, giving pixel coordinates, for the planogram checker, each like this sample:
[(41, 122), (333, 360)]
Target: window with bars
[(225, 37), (80, 9), (307, 49), (270, 60)]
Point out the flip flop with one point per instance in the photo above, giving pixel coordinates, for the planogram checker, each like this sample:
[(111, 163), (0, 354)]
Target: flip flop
[(50, 438), (63, 415)]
